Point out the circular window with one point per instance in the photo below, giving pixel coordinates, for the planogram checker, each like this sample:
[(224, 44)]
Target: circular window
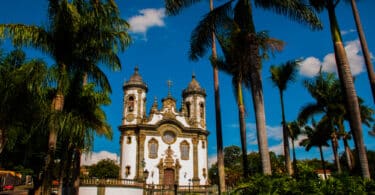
[(169, 137)]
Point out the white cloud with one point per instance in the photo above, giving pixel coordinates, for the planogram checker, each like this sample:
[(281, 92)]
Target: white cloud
[(212, 160), (311, 65), (95, 157), (274, 133), (148, 18), (345, 32)]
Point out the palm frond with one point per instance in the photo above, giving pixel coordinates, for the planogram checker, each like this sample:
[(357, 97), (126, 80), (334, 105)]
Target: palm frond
[(294, 9), (215, 21), (173, 7)]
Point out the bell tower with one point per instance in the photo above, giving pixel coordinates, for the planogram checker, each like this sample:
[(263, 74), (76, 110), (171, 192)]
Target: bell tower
[(194, 100), (134, 103)]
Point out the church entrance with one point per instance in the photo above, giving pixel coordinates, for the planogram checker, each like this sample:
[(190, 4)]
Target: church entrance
[(169, 177)]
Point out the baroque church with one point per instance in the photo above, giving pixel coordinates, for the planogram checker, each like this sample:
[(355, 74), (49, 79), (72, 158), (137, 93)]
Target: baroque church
[(169, 145)]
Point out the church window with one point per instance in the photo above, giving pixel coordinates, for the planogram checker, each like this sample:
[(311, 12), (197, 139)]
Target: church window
[(153, 148), (188, 109), (184, 147), (128, 140), (201, 110), (169, 137), (127, 170), (130, 104), (203, 144)]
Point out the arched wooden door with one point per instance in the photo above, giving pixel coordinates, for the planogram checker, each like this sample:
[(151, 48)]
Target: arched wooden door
[(169, 175)]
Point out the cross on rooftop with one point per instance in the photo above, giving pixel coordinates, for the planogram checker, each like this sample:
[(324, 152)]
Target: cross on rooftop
[(169, 83)]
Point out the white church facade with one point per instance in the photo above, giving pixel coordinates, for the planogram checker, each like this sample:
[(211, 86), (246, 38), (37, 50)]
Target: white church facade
[(169, 144)]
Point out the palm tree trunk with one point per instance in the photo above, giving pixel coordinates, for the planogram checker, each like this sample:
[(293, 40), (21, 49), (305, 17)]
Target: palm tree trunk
[(334, 144), (348, 154), (365, 50), (241, 113), (288, 165), (323, 162), (260, 119), (295, 169), (76, 170), (258, 103), (219, 132), (57, 106), (350, 94)]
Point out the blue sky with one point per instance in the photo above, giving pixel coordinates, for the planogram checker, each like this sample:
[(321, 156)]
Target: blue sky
[(160, 46)]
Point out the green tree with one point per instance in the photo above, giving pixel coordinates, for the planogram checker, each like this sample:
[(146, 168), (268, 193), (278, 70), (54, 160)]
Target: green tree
[(294, 129), (373, 131), (317, 136), (106, 168), (346, 79), (325, 89), (23, 108), (59, 39), (282, 75)]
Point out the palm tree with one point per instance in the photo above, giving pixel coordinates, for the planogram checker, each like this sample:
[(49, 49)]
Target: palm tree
[(85, 118), (23, 96), (59, 39), (317, 136), (281, 76), (325, 89), (365, 50), (373, 131), (172, 8), (294, 130), (346, 79)]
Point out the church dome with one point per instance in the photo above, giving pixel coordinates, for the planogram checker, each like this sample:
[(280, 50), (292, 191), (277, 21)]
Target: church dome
[(193, 88), (135, 81)]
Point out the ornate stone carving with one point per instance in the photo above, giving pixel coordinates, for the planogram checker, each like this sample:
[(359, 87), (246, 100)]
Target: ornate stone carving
[(168, 114), (130, 117)]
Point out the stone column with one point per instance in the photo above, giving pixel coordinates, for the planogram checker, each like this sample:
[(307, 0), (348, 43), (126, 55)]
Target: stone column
[(195, 161), (140, 156), (121, 157)]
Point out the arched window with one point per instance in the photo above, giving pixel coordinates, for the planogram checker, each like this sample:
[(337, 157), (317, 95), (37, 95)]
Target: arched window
[(201, 106), (187, 104), (184, 147), (203, 144), (128, 140), (153, 148), (130, 104), (127, 171)]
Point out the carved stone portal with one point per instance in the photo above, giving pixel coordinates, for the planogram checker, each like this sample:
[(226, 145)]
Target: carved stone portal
[(169, 168)]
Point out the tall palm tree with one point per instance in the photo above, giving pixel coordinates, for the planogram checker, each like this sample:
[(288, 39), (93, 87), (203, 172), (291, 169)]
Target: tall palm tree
[(317, 136), (59, 39), (282, 75), (85, 118), (347, 84), (365, 50), (172, 8)]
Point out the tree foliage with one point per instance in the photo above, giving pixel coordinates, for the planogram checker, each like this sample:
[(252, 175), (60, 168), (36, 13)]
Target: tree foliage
[(106, 168)]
